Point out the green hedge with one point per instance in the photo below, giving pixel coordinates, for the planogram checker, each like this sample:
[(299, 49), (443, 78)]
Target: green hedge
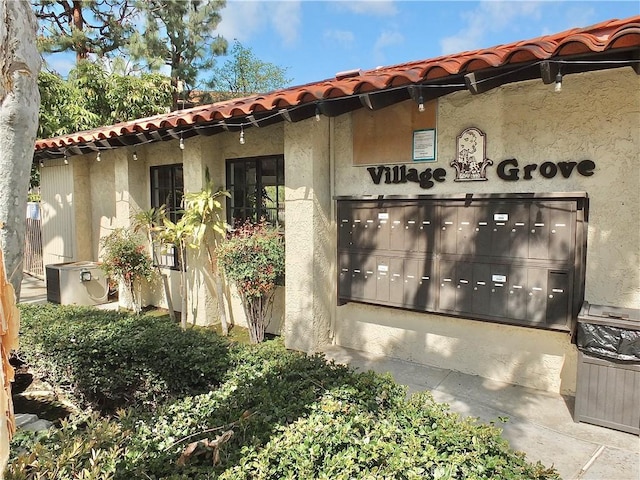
[(290, 416), (108, 360)]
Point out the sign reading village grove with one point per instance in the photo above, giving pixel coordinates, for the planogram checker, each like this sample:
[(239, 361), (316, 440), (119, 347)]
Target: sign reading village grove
[(509, 170)]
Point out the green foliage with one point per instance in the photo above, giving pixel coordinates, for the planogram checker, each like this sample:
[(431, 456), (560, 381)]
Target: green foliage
[(92, 98), (125, 257), (179, 34), (91, 26), (108, 360), (291, 416), (244, 74), (253, 259)]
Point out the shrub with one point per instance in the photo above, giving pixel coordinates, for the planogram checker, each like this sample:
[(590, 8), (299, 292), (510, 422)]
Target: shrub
[(126, 260), (108, 360), (253, 259), (291, 416)]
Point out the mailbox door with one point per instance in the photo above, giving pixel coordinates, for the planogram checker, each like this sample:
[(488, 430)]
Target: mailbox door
[(562, 234), (464, 286), (500, 214), (517, 300), (448, 227), (499, 291), (396, 281), (344, 279), (465, 231), (481, 290), (558, 296), (537, 292), (382, 219), (519, 231), (396, 228), (369, 278), (483, 230), (425, 297), (382, 279), (447, 279)]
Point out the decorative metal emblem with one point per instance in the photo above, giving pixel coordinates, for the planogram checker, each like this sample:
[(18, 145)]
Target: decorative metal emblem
[(471, 161)]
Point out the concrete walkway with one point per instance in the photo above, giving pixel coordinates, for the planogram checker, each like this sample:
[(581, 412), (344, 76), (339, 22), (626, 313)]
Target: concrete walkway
[(540, 423)]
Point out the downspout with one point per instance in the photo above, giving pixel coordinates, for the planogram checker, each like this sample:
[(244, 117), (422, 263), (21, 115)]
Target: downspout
[(332, 210)]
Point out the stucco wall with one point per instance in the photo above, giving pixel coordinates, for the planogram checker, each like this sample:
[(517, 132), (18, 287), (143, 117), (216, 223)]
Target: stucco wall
[(594, 117)]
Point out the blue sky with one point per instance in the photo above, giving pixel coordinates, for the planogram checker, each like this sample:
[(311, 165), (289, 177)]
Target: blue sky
[(314, 40)]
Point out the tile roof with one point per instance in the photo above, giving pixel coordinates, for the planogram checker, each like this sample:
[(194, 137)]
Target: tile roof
[(604, 40)]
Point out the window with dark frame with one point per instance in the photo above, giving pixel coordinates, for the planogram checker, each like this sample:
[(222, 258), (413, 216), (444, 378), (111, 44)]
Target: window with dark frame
[(167, 189), (256, 186)]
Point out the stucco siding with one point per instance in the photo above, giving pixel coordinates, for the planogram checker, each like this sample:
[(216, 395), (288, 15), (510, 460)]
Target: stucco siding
[(595, 117)]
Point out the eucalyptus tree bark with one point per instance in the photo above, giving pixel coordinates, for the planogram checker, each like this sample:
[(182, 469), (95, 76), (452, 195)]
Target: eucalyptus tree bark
[(19, 103)]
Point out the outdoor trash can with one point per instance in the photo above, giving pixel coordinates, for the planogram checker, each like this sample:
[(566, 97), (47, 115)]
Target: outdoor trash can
[(76, 283), (608, 383)]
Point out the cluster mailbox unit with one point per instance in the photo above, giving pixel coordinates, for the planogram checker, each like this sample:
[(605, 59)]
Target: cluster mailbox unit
[(512, 258)]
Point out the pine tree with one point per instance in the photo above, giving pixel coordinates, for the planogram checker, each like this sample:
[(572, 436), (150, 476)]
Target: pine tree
[(85, 27), (179, 34)]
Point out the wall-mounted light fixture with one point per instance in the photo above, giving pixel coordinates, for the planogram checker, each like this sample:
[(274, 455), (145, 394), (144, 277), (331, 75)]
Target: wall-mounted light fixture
[(558, 87), (421, 104), (181, 143), (66, 159), (241, 135), (98, 157), (135, 156), (317, 113)]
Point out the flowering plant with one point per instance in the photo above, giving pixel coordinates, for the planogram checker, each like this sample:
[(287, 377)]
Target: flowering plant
[(126, 259), (253, 259)]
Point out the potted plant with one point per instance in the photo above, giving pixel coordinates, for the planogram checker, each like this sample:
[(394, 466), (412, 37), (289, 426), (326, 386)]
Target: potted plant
[(253, 259), (126, 260)]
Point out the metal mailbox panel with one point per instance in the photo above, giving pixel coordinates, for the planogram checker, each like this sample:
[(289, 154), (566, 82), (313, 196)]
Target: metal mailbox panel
[(510, 259)]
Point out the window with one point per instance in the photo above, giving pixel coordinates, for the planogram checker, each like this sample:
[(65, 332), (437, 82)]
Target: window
[(257, 189), (167, 188)]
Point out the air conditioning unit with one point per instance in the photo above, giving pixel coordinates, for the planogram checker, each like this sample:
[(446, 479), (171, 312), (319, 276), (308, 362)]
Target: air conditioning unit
[(76, 283)]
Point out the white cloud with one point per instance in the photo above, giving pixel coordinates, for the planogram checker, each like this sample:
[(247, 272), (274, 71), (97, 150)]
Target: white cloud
[(488, 17), (384, 40), (369, 7), (241, 20), (286, 19), (344, 38)]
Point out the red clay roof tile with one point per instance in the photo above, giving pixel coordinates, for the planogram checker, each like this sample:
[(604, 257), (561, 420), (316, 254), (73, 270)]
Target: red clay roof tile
[(598, 38)]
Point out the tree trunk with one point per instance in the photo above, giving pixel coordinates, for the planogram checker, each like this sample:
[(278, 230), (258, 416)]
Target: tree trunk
[(19, 103)]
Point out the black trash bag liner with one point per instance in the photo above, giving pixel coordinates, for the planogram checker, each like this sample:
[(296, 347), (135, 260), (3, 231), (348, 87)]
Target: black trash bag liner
[(609, 342)]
